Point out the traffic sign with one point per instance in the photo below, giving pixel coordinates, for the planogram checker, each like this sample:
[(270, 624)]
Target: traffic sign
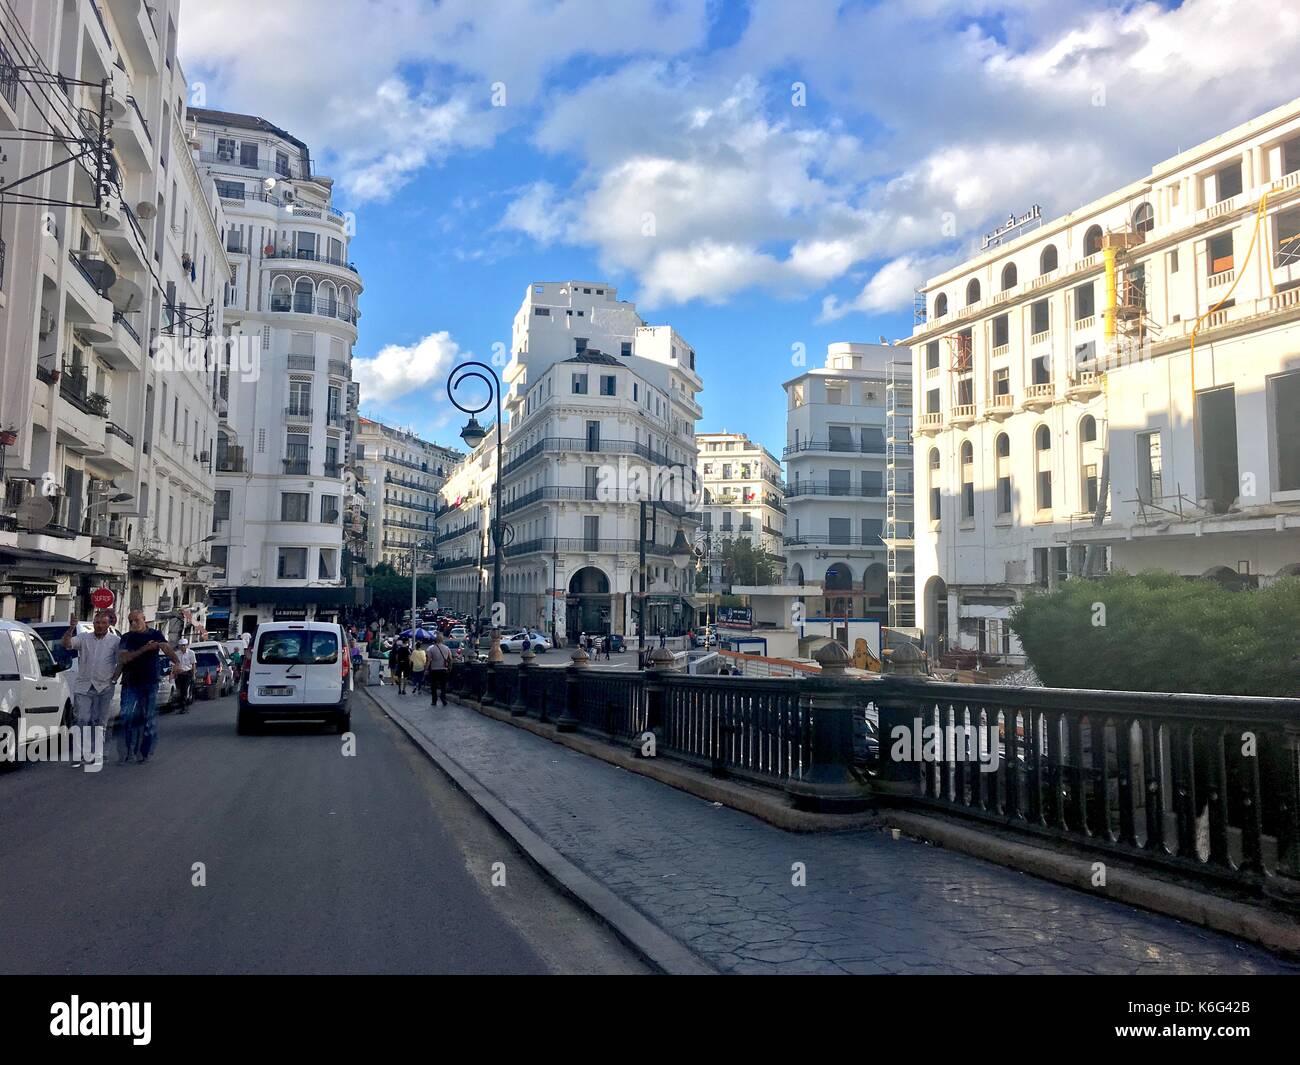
[(102, 598)]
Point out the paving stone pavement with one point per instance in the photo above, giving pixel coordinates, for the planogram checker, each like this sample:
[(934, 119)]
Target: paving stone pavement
[(720, 880)]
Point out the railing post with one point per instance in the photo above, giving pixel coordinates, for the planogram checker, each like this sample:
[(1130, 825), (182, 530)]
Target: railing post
[(652, 685), (897, 697), (827, 785), (568, 721), (494, 660), (1284, 886), (519, 706)]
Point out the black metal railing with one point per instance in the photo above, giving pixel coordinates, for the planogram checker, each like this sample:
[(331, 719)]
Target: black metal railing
[(315, 257), (827, 488), (840, 447), (8, 77), (601, 544), (826, 539), (113, 429), (587, 445), (297, 466)]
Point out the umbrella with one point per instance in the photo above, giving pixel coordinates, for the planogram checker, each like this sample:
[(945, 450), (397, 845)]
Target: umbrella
[(417, 634)]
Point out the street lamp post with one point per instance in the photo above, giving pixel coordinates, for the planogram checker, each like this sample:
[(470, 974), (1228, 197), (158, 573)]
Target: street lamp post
[(474, 434), (681, 555), (417, 546)]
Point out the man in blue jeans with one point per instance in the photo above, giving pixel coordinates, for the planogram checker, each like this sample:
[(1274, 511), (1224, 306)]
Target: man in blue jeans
[(138, 656)]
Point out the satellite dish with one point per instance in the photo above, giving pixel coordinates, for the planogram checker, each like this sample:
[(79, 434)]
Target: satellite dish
[(101, 273), (146, 211), (35, 512), (126, 295)]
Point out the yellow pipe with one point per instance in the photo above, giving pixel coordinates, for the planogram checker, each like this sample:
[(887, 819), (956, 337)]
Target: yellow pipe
[(1112, 296)]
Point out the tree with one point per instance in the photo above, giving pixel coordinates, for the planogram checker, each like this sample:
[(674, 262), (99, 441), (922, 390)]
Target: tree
[(1162, 632), (392, 590), (742, 563)]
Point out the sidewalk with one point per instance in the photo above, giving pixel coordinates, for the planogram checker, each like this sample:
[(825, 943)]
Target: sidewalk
[(720, 881)]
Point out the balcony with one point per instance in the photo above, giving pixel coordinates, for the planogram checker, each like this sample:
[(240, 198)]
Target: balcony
[(1000, 406), (833, 542), (1082, 325), (334, 470), (119, 448), (297, 414), (89, 312), (929, 423), (1223, 277), (1044, 337), (122, 350), (302, 362), (80, 414), (8, 90), (297, 467), (313, 256), (131, 136), (325, 308), (231, 460), (1040, 396), (128, 243), (963, 416), (838, 447), (338, 367), (841, 491), (336, 420), (139, 35), (1084, 385)]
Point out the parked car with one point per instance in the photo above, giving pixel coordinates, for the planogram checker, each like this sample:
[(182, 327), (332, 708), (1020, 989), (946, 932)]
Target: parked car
[(214, 647), (616, 643), (517, 641), (213, 676), (459, 632), (34, 692), (166, 684), (297, 670)]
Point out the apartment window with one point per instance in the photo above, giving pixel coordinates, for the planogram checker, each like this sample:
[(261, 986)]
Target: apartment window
[(591, 481), (226, 149), (293, 506), (872, 529), (1047, 262), (542, 312), (220, 555), (591, 532), (834, 395), (838, 482), (608, 384), (1284, 390), (940, 305), (625, 348), (327, 568), (1218, 441), (932, 355), (1002, 382), (932, 401), (1218, 253), (579, 384), (1092, 241), (1009, 277), (935, 487), (1043, 466), (1090, 483), (871, 440), (1227, 182), (1144, 218), (220, 506), (300, 397), (1001, 330), (965, 390), (292, 564), (579, 345), (726, 521), (282, 164), (1085, 303), (248, 157), (593, 436), (967, 481), (872, 483), (841, 530), (1088, 429), (329, 510), (972, 292), (230, 190), (1173, 261), (1041, 370), (1040, 317), (1288, 236), (1002, 452)]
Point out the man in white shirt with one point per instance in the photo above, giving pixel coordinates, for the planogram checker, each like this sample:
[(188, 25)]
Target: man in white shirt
[(97, 669), (186, 660)]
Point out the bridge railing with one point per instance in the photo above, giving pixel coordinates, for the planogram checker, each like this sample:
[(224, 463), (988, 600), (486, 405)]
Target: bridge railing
[(1207, 787)]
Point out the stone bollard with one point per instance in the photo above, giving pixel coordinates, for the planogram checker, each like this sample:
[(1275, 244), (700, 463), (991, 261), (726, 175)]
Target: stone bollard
[(898, 697), (828, 786), (568, 720), (661, 663)]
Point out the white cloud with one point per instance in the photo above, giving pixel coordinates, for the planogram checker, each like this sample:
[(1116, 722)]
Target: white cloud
[(890, 288), (407, 371)]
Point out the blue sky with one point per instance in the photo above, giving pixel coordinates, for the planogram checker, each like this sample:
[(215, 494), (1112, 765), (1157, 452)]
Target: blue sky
[(802, 166)]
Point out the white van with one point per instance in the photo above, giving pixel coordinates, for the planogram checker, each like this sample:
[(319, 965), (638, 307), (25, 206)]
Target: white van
[(296, 670), (34, 696)]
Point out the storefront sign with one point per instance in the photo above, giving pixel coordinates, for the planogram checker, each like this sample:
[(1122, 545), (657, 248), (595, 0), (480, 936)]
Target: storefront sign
[(290, 613), (1009, 227)]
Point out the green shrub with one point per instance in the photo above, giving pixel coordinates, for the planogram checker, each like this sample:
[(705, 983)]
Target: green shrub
[(1164, 633)]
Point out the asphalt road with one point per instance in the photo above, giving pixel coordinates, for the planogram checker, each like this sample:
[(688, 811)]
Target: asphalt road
[(312, 862)]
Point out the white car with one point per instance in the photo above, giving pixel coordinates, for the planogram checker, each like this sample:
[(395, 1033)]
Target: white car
[(458, 632), (34, 695), (297, 669), (516, 642)]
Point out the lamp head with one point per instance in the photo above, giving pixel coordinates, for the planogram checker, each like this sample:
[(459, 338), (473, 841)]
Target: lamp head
[(473, 433)]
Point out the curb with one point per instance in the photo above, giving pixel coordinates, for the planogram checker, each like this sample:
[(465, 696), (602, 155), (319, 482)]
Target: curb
[(652, 943), (1124, 883)]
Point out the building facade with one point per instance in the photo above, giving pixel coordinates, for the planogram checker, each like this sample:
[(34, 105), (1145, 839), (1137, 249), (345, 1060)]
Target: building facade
[(109, 303), (292, 313), (600, 415), (403, 477), (836, 482), (744, 497), (1119, 388)]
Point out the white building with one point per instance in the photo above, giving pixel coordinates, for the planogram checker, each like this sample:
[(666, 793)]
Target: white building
[(402, 476), (112, 264), (292, 311), (601, 413), (744, 495), (1032, 414), (836, 482)]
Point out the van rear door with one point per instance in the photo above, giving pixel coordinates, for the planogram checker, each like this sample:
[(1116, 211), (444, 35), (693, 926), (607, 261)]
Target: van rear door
[(324, 666), (278, 675)]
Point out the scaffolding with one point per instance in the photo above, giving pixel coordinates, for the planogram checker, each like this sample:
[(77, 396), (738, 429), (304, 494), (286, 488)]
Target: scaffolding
[(899, 534)]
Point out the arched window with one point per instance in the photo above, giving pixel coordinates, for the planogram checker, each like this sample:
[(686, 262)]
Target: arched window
[(1144, 218), (1092, 241), (303, 297), (281, 294), (940, 305), (345, 304), (1002, 448), (326, 298), (1043, 466), (934, 484), (1047, 261), (1088, 428), (967, 480), (1089, 464), (972, 292), (1009, 276)]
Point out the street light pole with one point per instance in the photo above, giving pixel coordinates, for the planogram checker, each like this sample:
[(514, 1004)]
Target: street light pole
[(474, 434)]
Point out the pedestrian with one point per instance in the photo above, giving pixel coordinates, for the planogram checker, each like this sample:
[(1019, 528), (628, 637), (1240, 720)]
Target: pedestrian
[(399, 662), (663, 640), (609, 639), (439, 670), (185, 675), (419, 663), (137, 654), (97, 671)]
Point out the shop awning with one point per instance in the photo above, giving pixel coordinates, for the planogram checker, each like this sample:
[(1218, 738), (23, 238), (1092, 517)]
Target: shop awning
[(23, 560)]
